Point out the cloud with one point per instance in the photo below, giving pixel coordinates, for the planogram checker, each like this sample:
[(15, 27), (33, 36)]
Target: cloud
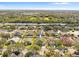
[(61, 3)]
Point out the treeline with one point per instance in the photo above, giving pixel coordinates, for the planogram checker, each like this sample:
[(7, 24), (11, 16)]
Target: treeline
[(23, 17)]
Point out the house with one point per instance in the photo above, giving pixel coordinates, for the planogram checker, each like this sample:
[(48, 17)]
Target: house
[(15, 39), (75, 33), (67, 40)]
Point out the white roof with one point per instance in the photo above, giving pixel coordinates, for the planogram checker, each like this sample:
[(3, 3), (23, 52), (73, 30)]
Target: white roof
[(16, 39), (75, 32), (58, 31)]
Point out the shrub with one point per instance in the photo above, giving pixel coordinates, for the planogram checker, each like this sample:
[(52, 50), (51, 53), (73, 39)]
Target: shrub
[(39, 43), (28, 54), (9, 42), (26, 43), (33, 47), (77, 46), (6, 53), (58, 42), (16, 52)]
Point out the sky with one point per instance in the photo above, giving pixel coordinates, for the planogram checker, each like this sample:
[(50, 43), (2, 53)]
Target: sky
[(40, 5)]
